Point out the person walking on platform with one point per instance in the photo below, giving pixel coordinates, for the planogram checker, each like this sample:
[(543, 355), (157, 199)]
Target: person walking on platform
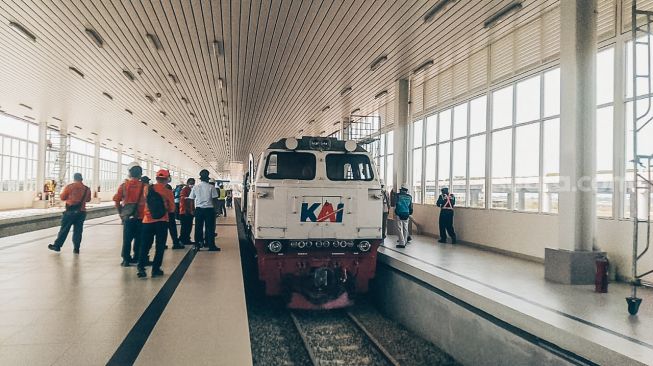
[(172, 224), (158, 202), (222, 197), (130, 204), (386, 209), (76, 195), (446, 202), (186, 212), (205, 197), (403, 210), (230, 199)]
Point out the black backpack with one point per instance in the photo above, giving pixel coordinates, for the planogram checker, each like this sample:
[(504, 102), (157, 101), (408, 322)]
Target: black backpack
[(155, 204)]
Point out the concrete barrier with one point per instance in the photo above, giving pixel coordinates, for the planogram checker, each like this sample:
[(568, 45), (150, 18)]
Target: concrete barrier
[(21, 225)]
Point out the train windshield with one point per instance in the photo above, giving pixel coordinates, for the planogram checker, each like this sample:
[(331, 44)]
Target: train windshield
[(290, 165), (349, 167)]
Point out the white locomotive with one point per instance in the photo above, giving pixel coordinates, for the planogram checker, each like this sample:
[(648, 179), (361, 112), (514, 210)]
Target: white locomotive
[(313, 208)]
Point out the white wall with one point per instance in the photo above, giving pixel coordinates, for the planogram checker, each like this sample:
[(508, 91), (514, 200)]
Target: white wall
[(16, 200), (528, 234)]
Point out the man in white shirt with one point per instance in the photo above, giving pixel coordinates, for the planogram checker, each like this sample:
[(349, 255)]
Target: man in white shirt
[(205, 196)]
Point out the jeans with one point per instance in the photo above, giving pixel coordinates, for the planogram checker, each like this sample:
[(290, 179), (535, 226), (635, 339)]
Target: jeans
[(131, 231), (158, 230), (172, 227), (205, 226), (402, 230), (76, 220), (222, 210), (186, 227)]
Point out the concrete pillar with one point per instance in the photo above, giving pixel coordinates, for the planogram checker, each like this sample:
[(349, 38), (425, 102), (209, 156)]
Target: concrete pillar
[(62, 159), (573, 261), (401, 133), (41, 156), (96, 173)]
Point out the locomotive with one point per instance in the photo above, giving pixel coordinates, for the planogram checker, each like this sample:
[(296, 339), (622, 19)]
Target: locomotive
[(313, 210)]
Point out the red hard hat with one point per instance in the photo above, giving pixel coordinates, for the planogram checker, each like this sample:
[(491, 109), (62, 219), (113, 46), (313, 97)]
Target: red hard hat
[(163, 173)]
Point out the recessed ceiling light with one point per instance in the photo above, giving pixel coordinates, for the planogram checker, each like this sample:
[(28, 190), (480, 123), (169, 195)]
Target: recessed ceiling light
[(129, 75), (345, 91), (326, 108), (173, 124), (502, 13), (108, 139), (355, 111), (29, 117), (155, 131), (173, 78), (22, 31), (129, 111), (381, 94), (423, 66), (58, 119), (150, 98), (76, 71), (438, 7), (107, 95), (218, 48), (378, 62), (25, 106), (143, 122), (311, 122), (183, 99), (95, 37), (94, 133), (154, 41), (78, 127), (163, 113)]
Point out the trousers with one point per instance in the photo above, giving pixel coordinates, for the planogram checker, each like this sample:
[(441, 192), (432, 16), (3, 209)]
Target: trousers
[(131, 231), (222, 210), (446, 225), (172, 227), (186, 227), (70, 219), (205, 226), (156, 232), (402, 230)]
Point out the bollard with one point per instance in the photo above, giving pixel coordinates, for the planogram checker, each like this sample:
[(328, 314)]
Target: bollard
[(601, 279)]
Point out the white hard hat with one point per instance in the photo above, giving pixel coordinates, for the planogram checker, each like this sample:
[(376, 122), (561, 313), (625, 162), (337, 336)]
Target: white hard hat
[(404, 186)]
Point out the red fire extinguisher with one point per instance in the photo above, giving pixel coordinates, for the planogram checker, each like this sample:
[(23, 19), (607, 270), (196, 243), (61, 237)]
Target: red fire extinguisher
[(601, 279)]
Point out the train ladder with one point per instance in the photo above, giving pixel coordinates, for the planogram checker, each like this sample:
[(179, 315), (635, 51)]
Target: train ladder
[(642, 163)]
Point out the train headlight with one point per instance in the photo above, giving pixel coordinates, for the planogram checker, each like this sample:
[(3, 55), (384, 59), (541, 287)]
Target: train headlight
[(291, 143), (318, 244), (350, 145), (275, 246), (301, 244), (364, 246)]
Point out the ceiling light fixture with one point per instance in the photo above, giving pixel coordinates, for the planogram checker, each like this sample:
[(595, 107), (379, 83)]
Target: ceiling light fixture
[(345, 91), (95, 37), (30, 117), (438, 7), (78, 127), (423, 66), (25, 106), (150, 98), (129, 75), (503, 12), (76, 71), (220, 83), (158, 97), (355, 111), (173, 78), (155, 131), (108, 139), (311, 122), (129, 111), (143, 122), (154, 41), (94, 133), (378, 62), (58, 119), (336, 123), (326, 108), (163, 113), (107, 95), (381, 94), (218, 48), (192, 114), (183, 99), (23, 31), (173, 124)]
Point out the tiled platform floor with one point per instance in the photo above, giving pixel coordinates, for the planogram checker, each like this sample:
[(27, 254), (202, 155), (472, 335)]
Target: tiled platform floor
[(30, 212), (64, 309)]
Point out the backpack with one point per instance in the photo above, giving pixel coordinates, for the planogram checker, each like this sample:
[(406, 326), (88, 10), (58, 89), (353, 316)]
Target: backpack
[(178, 189), (130, 210), (402, 208), (155, 204)]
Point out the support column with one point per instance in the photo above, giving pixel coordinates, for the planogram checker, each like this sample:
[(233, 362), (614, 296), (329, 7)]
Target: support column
[(41, 164), (400, 106), (573, 261), (96, 174)]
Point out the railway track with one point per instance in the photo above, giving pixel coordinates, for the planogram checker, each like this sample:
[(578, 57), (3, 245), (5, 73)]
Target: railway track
[(339, 338)]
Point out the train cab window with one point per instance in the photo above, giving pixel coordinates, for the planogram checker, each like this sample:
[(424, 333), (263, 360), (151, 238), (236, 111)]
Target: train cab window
[(355, 167), (290, 165)]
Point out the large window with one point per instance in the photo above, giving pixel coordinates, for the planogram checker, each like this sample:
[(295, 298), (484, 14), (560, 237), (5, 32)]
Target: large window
[(417, 161), (80, 160), (356, 167), (18, 154), (108, 170)]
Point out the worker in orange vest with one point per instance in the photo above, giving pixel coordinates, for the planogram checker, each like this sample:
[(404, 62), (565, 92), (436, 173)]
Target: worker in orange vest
[(446, 202), (158, 202), (76, 195), (130, 203), (187, 212)]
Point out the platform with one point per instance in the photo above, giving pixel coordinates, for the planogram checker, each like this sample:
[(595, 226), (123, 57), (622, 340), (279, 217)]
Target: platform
[(64, 309), (596, 327)]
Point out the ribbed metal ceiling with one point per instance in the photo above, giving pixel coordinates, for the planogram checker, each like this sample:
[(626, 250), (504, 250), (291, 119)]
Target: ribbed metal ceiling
[(232, 76)]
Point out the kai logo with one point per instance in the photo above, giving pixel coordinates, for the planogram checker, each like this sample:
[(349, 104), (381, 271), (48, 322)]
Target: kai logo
[(310, 212)]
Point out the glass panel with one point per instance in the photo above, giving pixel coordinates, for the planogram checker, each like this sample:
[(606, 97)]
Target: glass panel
[(445, 125), (552, 93), (501, 169), (604, 181), (301, 166), (502, 107), (429, 170), (477, 115), (417, 133), (551, 166), (389, 174), (605, 76), (390, 143), (339, 167), (431, 129), (477, 171), (527, 167), (460, 121), (417, 175), (444, 169), (528, 100), (459, 172)]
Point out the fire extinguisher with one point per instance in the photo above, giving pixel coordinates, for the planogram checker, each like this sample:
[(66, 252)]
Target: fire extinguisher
[(601, 278)]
